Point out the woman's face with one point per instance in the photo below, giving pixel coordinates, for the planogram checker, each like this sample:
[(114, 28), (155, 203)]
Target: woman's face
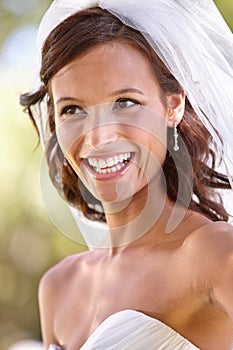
[(111, 120)]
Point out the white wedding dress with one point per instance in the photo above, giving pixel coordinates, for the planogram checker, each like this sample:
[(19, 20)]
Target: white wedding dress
[(130, 329)]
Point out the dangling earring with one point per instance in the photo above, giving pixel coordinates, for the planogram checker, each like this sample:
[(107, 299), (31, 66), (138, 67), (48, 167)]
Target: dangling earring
[(176, 146), (65, 163)]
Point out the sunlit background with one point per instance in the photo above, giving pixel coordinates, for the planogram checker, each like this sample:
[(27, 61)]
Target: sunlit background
[(29, 242)]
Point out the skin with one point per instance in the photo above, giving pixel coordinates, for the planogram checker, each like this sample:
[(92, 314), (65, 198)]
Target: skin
[(184, 279)]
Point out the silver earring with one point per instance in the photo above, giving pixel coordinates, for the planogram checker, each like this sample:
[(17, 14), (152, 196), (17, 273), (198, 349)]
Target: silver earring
[(176, 146), (65, 163)]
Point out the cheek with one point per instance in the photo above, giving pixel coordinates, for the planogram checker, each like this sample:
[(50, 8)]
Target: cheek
[(69, 137), (152, 143), (158, 154), (152, 156), (150, 134)]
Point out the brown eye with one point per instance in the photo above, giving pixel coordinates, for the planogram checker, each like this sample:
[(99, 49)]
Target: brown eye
[(125, 103), (73, 110)]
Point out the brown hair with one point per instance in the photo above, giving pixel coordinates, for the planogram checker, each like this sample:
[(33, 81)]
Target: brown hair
[(72, 37)]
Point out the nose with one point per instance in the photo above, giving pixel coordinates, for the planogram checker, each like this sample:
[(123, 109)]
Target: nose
[(101, 128), (100, 136)]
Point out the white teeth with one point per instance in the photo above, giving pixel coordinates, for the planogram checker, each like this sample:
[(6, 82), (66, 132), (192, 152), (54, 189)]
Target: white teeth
[(91, 161), (111, 164), (102, 164), (121, 158)]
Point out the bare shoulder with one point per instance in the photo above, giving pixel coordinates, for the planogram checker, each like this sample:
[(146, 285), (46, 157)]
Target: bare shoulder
[(62, 273), (54, 289), (213, 238), (209, 253)]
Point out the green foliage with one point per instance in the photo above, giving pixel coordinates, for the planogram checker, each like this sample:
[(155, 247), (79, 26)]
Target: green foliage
[(14, 14), (226, 9)]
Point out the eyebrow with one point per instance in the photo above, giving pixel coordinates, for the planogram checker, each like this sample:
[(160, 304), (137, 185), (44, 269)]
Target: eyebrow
[(123, 91), (62, 99), (117, 92)]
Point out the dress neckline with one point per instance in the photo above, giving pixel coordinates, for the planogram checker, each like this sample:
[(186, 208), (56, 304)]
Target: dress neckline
[(128, 315)]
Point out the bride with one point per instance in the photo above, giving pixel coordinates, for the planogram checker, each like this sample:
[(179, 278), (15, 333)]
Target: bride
[(134, 108)]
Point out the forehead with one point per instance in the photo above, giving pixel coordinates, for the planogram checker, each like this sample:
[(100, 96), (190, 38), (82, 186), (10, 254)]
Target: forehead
[(104, 68), (114, 51), (107, 56)]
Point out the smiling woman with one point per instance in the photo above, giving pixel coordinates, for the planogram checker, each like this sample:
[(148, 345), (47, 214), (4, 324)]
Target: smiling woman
[(131, 132)]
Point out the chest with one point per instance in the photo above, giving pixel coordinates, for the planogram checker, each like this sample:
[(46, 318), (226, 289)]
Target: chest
[(153, 290), (162, 291)]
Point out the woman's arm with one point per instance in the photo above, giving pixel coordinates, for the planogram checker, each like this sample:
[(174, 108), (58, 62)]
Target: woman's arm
[(210, 251), (47, 307), (223, 284)]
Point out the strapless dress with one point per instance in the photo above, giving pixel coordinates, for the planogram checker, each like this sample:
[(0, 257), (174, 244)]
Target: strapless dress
[(130, 329)]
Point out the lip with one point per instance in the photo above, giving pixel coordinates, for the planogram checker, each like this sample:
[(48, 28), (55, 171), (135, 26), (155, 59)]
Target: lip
[(110, 176)]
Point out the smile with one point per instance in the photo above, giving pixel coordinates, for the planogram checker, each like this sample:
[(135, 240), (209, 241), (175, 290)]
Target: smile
[(111, 164)]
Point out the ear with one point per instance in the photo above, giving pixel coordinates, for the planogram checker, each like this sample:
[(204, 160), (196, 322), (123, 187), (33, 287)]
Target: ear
[(176, 107)]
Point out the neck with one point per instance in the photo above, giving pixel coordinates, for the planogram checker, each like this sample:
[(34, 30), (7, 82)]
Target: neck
[(129, 223)]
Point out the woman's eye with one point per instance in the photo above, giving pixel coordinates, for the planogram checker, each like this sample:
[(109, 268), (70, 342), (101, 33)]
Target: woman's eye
[(125, 103), (71, 110)]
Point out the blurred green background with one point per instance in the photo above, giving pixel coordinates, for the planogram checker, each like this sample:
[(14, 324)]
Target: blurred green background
[(29, 242)]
